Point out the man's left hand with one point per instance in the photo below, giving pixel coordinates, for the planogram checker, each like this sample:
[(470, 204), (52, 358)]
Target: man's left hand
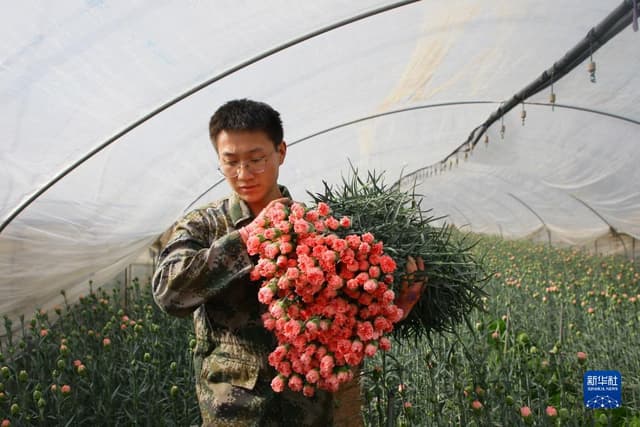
[(411, 289)]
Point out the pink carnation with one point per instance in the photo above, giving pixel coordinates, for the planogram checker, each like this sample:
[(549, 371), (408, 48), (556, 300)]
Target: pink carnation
[(387, 264), (370, 349), (370, 286), (323, 209), (265, 295), (308, 390), (384, 344), (277, 384), (301, 226), (295, 383), (365, 331), (312, 376), (332, 223), (253, 245), (297, 210)]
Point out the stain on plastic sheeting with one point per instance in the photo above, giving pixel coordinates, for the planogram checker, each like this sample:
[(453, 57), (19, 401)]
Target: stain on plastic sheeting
[(428, 55)]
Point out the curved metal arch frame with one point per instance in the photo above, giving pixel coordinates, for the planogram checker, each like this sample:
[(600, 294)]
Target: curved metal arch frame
[(22, 206)]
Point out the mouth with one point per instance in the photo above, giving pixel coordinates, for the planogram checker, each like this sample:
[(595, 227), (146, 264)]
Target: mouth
[(247, 188)]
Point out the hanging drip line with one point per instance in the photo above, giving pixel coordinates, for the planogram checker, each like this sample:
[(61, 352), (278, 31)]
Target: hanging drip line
[(502, 127), (591, 67), (552, 95), (617, 20)]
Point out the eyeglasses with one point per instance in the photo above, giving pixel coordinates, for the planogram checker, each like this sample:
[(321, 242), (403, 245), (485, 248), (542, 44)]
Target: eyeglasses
[(255, 166)]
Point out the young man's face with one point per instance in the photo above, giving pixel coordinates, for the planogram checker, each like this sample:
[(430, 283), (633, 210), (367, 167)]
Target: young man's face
[(256, 161)]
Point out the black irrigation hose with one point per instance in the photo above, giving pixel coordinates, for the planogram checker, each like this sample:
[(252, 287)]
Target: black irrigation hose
[(597, 37)]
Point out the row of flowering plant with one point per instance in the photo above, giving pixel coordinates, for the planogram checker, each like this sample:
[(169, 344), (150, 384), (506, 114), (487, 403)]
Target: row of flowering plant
[(329, 298)]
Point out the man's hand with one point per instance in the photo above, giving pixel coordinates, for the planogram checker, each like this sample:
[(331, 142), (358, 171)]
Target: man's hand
[(411, 289), (258, 220)]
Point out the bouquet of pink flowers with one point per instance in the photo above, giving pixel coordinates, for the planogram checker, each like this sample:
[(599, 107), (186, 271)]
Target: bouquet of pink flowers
[(330, 298)]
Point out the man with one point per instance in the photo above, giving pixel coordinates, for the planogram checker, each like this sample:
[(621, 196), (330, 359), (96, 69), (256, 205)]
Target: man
[(204, 270)]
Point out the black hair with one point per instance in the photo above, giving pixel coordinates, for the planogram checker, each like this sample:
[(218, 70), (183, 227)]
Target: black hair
[(246, 115)]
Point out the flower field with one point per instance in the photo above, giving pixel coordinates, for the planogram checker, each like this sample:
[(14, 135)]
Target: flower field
[(550, 315)]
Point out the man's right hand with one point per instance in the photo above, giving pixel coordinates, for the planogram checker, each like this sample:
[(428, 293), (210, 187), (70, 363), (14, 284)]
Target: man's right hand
[(259, 220)]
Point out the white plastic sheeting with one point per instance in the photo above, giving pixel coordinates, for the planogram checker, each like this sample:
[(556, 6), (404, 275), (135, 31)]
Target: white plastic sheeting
[(74, 74)]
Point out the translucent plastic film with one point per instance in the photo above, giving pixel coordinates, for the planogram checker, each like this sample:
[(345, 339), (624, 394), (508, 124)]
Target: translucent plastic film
[(395, 91)]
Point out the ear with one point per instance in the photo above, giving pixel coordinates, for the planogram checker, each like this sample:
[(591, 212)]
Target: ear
[(282, 152)]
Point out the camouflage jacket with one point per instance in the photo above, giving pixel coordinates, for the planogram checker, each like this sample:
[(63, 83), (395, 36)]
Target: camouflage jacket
[(204, 270)]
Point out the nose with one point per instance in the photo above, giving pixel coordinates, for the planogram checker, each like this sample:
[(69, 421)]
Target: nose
[(244, 170)]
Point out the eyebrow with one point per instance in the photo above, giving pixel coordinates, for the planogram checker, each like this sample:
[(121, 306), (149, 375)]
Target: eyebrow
[(258, 150)]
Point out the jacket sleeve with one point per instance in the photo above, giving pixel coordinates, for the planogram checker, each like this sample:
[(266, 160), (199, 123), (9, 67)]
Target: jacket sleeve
[(200, 260)]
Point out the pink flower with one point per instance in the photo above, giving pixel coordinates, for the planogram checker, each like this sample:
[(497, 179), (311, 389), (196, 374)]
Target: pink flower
[(284, 368), (311, 216), (339, 245), (332, 223), (276, 309), (312, 376), (368, 238), (326, 366), (525, 412), (364, 248), (271, 250), (65, 389), (365, 331), (551, 411), (277, 384), (301, 226), (384, 343), (315, 276), (297, 210), (387, 264), (332, 383), (582, 357), (476, 405), (293, 273), (265, 295), (106, 342), (253, 245), (308, 390), (370, 349), (374, 272), (295, 383), (344, 375), (370, 286), (270, 234), (323, 209), (382, 325), (353, 241), (345, 222), (286, 248), (292, 329), (44, 333)]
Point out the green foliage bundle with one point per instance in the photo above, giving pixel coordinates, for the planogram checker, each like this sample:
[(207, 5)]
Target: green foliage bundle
[(453, 275)]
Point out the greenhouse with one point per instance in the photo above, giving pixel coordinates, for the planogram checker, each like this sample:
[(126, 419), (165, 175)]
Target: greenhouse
[(511, 127)]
